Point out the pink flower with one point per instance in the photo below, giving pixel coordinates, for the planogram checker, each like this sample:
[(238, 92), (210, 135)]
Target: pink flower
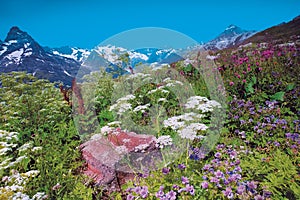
[(244, 80), (231, 83)]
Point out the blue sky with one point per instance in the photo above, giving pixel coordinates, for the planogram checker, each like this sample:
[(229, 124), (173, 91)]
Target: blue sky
[(86, 23)]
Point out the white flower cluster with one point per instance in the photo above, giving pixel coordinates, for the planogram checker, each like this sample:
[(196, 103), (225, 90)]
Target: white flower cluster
[(163, 141), (8, 135), (138, 75), (141, 108), (158, 89), (141, 148), (121, 149), (187, 125), (171, 83), (14, 185), (25, 146), (202, 104), (106, 129), (190, 131), (178, 122), (122, 105)]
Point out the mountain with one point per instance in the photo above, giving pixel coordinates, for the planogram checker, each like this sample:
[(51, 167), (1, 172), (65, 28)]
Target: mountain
[(278, 34), (74, 53), (231, 36), (121, 60), (20, 52)]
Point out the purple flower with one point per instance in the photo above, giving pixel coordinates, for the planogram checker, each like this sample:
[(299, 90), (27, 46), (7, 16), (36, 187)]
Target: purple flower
[(267, 193), (206, 167), (238, 169), (228, 192), (219, 174), (130, 197), (233, 154), (214, 180), (252, 185), (137, 189), (259, 197), (181, 166), (165, 170), (144, 192), (189, 188), (277, 144), (218, 155), (237, 162), (220, 146), (176, 187), (225, 181), (184, 180), (171, 195), (159, 194), (241, 189), (204, 184)]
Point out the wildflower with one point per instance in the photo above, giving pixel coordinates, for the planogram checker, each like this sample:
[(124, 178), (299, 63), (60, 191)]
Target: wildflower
[(130, 197), (241, 189), (56, 187), (190, 131), (228, 192), (184, 180), (189, 188), (144, 192), (219, 174), (181, 166), (160, 192), (36, 149), (252, 185), (171, 195), (141, 108), (165, 170), (214, 180), (25, 146), (206, 167), (218, 155), (259, 197), (106, 129), (204, 184), (164, 140)]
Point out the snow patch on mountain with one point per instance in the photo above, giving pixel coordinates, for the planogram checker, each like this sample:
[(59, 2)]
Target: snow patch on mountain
[(15, 55), (76, 54)]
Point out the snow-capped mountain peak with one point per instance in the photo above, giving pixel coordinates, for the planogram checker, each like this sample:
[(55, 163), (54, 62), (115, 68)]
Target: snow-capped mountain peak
[(20, 52), (231, 36)]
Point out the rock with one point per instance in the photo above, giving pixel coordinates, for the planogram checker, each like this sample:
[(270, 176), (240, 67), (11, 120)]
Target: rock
[(108, 157)]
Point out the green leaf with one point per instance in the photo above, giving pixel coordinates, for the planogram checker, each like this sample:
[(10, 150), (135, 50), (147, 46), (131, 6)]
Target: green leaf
[(253, 80), (278, 96), (290, 86), (249, 88)]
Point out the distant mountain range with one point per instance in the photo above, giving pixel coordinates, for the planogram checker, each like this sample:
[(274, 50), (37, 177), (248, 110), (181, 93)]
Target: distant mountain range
[(20, 52)]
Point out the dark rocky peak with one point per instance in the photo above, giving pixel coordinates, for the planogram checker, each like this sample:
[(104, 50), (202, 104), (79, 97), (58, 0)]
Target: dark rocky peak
[(17, 34)]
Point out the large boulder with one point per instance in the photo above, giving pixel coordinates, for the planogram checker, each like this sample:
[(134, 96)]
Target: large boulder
[(115, 158)]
